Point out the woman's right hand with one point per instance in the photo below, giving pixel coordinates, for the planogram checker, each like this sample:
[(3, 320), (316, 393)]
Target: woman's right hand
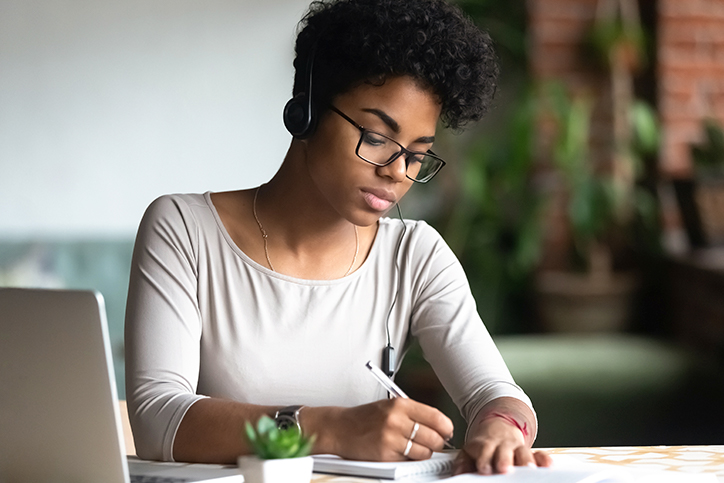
[(378, 431)]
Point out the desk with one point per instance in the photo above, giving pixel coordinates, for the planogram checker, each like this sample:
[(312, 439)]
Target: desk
[(685, 459)]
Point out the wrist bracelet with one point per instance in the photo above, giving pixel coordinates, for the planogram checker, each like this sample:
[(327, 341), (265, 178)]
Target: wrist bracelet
[(510, 420)]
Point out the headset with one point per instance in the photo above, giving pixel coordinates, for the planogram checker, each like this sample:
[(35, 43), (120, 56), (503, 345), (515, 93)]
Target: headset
[(299, 116), (301, 122), (389, 357)]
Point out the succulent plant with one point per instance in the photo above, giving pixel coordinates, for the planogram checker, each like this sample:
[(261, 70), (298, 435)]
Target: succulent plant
[(270, 442)]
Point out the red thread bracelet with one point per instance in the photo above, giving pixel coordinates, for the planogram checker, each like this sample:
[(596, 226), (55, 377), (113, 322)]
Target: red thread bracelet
[(510, 420)]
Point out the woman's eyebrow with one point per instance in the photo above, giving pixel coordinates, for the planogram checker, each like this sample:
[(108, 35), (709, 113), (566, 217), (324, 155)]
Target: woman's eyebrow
[(385, 118), (394, 124)]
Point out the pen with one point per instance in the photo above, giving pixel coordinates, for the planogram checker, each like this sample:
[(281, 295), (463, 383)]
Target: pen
[(388, 383), (392, 388)]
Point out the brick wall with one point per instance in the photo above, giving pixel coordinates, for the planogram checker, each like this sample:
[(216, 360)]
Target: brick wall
[(557, 29), (688, 82), (689, 66), (691, 75)]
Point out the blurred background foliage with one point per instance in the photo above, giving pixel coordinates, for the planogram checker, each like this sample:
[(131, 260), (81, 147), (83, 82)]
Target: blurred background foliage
[(494, 224), (490, 213), (496, 191)]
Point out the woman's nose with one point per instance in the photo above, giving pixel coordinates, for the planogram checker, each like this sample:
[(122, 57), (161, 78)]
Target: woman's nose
[(396, 170)]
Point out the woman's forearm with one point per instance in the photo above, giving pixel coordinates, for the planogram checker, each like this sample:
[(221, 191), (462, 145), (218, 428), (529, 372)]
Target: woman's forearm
[(212, 431)]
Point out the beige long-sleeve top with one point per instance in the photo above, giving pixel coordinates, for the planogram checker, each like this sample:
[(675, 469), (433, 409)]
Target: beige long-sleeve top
[(204, 320)]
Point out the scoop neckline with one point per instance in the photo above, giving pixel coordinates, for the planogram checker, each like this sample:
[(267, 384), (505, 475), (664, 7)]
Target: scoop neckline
[(267, 271)]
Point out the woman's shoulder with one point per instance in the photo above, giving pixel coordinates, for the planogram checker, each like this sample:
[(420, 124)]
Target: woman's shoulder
[(414, 231), (418, 239), (177, 201), (422, 250), (178, 212), (177, 205), (396, 225)]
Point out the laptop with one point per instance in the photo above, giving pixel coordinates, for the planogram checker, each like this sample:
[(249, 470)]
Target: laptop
[(59, 414)]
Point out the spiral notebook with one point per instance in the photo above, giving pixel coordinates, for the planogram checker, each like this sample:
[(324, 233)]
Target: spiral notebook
[(439, 464)]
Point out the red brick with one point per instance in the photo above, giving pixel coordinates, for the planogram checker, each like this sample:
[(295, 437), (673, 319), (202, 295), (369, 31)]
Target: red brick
[(688, 55), (683, 131), (691, 8), (677, 137), (675, 85), (556, 60), (559, 30), (673, 60), (575, 9), (676, 29), (718, 109), (675, 160)]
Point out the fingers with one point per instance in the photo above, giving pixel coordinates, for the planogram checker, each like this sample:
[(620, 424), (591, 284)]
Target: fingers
[(484, 462), (520, 456), (494, 458), (542, 458), (420, 443), (427, 438), (420, 429), (490, 455), (386, 430), (428, 417), (499, 458), (523, 456), (408, 446), (503, 458), (463, 464)]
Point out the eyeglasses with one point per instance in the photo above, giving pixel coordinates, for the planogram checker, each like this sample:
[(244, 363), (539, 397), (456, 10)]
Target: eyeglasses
[(381, 150)]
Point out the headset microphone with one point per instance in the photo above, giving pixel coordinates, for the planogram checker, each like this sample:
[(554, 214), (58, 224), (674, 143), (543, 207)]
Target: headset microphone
[(389, 357)]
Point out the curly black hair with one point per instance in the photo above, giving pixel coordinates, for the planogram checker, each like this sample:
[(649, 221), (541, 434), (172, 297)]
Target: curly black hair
[(357, 41)]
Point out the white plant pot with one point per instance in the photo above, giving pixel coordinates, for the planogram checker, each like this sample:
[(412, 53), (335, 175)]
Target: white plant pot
[(288, 470)]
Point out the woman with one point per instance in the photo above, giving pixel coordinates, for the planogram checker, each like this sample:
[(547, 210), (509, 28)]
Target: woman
[(271, 300)]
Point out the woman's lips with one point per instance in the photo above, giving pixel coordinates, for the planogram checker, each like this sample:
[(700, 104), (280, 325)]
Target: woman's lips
[(378, 201)]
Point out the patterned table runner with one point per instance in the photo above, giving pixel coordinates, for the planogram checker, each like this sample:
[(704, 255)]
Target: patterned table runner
[(686, 459)]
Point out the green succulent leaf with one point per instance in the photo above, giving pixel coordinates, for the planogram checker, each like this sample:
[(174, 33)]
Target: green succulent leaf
[(269, 442)]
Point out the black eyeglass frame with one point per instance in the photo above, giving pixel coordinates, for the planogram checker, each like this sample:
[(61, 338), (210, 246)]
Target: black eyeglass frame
[(403, 151)]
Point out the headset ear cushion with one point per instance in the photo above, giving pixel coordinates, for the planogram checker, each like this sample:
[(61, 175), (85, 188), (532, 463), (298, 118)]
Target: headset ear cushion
[(298, 117)]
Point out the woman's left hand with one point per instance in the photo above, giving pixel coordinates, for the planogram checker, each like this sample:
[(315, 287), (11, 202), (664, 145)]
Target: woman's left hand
[(499, 439)]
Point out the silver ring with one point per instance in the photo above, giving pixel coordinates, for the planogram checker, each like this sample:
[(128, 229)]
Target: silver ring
[(407, 448), (414, 431)]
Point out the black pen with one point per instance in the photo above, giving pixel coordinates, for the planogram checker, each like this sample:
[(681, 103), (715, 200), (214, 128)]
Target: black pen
[(391, 387)]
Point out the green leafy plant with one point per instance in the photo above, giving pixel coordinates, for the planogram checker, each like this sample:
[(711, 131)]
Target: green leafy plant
[(617, 36), (270, 442), (494, 224), (600, 203), (709, 155)]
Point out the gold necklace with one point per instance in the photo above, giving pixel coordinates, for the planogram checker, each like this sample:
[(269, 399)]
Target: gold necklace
[(266, 246)]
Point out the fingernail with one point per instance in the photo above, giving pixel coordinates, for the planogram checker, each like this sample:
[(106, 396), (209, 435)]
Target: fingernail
[(487, 470)]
